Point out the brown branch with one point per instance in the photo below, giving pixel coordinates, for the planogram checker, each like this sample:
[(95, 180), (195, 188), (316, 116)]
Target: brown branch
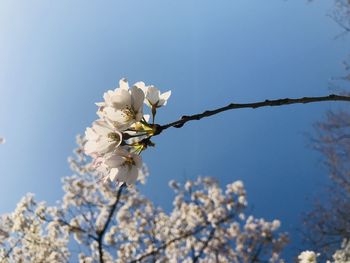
[(165, 245), (8, 253), (73, 228), (279, 102), (185, 235), (102, 232), (205, 245), (62, 221)]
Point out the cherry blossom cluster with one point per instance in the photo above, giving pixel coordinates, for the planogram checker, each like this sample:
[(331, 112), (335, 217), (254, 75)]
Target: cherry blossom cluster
[(341, 255), (93, 223), (123, 131), (308, 256), (26, 236)]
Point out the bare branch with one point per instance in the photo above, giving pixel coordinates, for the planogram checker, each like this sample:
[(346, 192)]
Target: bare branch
[(254, 105), (109, 218), (205, 245)]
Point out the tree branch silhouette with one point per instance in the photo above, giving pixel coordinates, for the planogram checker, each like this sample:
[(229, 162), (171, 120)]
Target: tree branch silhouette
[(184, 236), (232, 106), (109, 218)]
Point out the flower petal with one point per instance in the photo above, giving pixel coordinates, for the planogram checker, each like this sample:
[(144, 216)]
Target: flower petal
[(114, 161), (141, 85), (123, 84), (152, 95), (121, 98), (164, 97), (137, 97), (132, 175), (102, 128), (113, 174)]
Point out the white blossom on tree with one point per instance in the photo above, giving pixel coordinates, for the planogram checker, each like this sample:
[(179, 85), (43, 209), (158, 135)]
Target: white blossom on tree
[(111, 221), (121, 166), (102, 222), (123, 106), (154, 98), (101, 138), (307, 257), (122, 131), (341, 255)]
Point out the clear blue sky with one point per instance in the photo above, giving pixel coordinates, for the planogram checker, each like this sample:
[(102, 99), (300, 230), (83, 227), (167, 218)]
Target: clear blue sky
[(58, 57)]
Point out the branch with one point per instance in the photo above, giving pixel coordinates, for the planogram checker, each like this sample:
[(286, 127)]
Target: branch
[(8, 253), (255, 257), (73, 228), (109, 218), (205, 245), (341, 24), (165, 245), (185, 235), (254, 105), (62, 221)]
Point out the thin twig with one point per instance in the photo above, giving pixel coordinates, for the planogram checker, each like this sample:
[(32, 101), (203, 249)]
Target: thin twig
[(279, 102)]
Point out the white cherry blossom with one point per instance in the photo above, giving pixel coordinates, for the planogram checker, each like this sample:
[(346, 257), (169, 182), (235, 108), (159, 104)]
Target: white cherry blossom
[(101, 138), (123, 106), (121, 225), (120, 166), (155, 99), (343, 254), (307, 257)]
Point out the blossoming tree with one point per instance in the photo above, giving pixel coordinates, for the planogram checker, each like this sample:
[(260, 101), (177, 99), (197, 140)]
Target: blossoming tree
[(100, 221), (102, 216), (327, 227)]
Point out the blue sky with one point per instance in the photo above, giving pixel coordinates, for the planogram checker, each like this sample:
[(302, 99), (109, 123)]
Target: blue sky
[(57, 59)]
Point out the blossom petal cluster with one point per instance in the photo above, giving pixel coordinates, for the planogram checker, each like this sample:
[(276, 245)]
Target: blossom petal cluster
[(98, 222), (307, 257), (341, 255), (116, 140)]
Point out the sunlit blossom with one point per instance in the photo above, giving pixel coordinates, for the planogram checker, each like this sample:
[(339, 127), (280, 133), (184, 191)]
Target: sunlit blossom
[(101, 138), (155, 99), (307, 257), (123, 106), (121, 166)]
